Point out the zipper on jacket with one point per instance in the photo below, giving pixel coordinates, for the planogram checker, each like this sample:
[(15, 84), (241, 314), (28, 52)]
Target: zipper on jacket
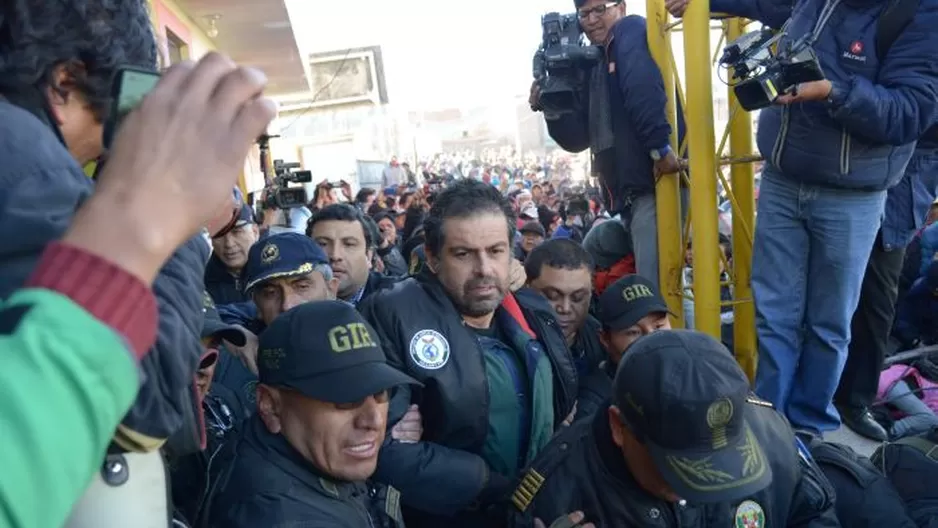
[(553, 361), (779, 147), (844, 152)]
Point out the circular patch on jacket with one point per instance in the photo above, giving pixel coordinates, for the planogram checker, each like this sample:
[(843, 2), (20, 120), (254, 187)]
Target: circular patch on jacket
[(749, 515), (429, 349)]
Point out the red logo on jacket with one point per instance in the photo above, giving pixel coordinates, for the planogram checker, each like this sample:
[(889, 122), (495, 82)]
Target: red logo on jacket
[(856, 48)]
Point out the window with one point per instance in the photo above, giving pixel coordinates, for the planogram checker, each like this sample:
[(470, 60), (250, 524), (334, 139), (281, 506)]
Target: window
[(177, 48)]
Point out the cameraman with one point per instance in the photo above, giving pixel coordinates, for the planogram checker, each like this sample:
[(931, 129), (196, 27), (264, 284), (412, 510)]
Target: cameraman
[(832, 148), (623, 122)]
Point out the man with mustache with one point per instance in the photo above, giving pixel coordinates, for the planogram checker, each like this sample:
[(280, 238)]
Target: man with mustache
[(498, 378), (305, 458), (562, 271)]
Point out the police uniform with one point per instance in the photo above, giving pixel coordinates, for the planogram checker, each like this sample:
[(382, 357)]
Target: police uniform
[(323, 350), (621, 306), (732, 459)]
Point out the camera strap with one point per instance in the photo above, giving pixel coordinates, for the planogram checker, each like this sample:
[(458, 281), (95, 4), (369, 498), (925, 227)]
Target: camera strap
[(892, 22)]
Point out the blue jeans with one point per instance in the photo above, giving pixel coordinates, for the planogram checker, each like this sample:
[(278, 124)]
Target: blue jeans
[(809, 255), (919, 417)]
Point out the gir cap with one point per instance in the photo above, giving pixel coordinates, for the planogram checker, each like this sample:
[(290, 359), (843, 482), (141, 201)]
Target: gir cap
[(684, 396), (326, 351), (627, 300)]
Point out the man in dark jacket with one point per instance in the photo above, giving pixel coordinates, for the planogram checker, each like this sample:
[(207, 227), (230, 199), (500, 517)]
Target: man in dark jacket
[(907, 205), (223, 273), (54, 98), (350, 241), (832, 147), (683, 444), (306, 457), (633, 146), (561, 270), (498, 376)]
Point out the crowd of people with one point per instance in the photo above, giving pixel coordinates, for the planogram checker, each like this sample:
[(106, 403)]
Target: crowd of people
[(486, 347)]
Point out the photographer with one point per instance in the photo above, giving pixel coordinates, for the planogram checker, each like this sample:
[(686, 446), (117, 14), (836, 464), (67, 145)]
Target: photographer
[(57, 61), (832, 147), (622, 120)]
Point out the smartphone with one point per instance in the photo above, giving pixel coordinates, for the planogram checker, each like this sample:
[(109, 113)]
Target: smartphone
[(129, 87)]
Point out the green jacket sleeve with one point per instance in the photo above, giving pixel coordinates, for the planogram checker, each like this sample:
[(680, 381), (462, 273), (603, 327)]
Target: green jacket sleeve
[(66, 380)]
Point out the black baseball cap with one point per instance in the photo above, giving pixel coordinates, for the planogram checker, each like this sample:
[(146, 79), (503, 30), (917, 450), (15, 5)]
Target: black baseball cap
[(326, 351), (213, 326), (627, 300), (684, 396), (533, 227), (282, 255)]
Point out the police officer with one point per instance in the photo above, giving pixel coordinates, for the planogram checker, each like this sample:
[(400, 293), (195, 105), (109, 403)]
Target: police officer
[(628, 309), (305, 458), (498, 376), (683, 444)]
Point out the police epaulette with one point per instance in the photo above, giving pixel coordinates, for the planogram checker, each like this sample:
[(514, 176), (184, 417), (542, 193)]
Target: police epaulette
[(760, 402), (527, 490)]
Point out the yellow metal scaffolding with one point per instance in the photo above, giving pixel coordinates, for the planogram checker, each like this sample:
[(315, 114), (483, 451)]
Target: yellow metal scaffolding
[(705, 167)]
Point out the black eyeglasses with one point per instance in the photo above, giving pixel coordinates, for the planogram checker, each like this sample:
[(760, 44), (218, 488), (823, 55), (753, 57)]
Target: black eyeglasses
[(599, 10)]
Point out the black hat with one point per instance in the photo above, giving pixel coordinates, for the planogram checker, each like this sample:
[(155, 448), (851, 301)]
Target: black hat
[(326, 351), (628, 300), (282, 255), (533, 227), (685, 398), (213, 326)]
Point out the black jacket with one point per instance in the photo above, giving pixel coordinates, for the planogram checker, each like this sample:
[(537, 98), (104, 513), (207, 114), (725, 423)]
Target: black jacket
[(270, 485), (581, 469), (394, 263), (594, 374), (224, 287), (444, 474), (41, 187), (637, 101)]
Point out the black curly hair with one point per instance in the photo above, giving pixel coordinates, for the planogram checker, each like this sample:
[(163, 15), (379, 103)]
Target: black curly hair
[(91, 39), (464, 199)]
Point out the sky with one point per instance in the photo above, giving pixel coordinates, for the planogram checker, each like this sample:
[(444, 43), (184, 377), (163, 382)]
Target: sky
[(437, 53)]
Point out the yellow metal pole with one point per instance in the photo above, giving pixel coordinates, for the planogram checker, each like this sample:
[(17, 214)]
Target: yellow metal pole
[(744, 313), (703, 189), (667, 191)]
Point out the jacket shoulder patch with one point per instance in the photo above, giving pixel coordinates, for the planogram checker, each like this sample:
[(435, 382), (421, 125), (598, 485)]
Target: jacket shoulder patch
[(392, 505), (527, 490)]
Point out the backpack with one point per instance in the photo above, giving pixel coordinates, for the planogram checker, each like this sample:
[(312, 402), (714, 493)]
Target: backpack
[(865, 497), (911, 464)]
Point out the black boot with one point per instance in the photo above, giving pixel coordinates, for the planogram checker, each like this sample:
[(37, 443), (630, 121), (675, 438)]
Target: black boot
[(861, 421)]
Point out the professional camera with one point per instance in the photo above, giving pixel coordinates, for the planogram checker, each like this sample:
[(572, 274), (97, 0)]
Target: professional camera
[(561, 63), (762, 75), (280, 195)]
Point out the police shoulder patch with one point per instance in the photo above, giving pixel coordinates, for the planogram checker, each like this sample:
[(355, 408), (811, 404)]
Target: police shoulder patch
[(527, 490), (392, 505), (429, 349), (749, 514)]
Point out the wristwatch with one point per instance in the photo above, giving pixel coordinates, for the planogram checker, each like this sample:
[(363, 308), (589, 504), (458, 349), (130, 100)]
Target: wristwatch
[(658, 154)]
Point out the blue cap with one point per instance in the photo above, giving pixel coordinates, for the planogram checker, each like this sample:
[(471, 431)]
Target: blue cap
[(685, 398), (245, 216), (326, 350), (282, 255)]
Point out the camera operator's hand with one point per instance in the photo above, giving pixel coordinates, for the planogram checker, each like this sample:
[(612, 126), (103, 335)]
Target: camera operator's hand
[(175, 158), (809, 91), (676, 7), (534, 99), (669, 164), (346, 189)]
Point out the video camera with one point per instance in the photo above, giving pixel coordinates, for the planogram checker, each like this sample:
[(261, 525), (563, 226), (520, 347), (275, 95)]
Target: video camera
[(279, 195), (762, 75), (561, 63)]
